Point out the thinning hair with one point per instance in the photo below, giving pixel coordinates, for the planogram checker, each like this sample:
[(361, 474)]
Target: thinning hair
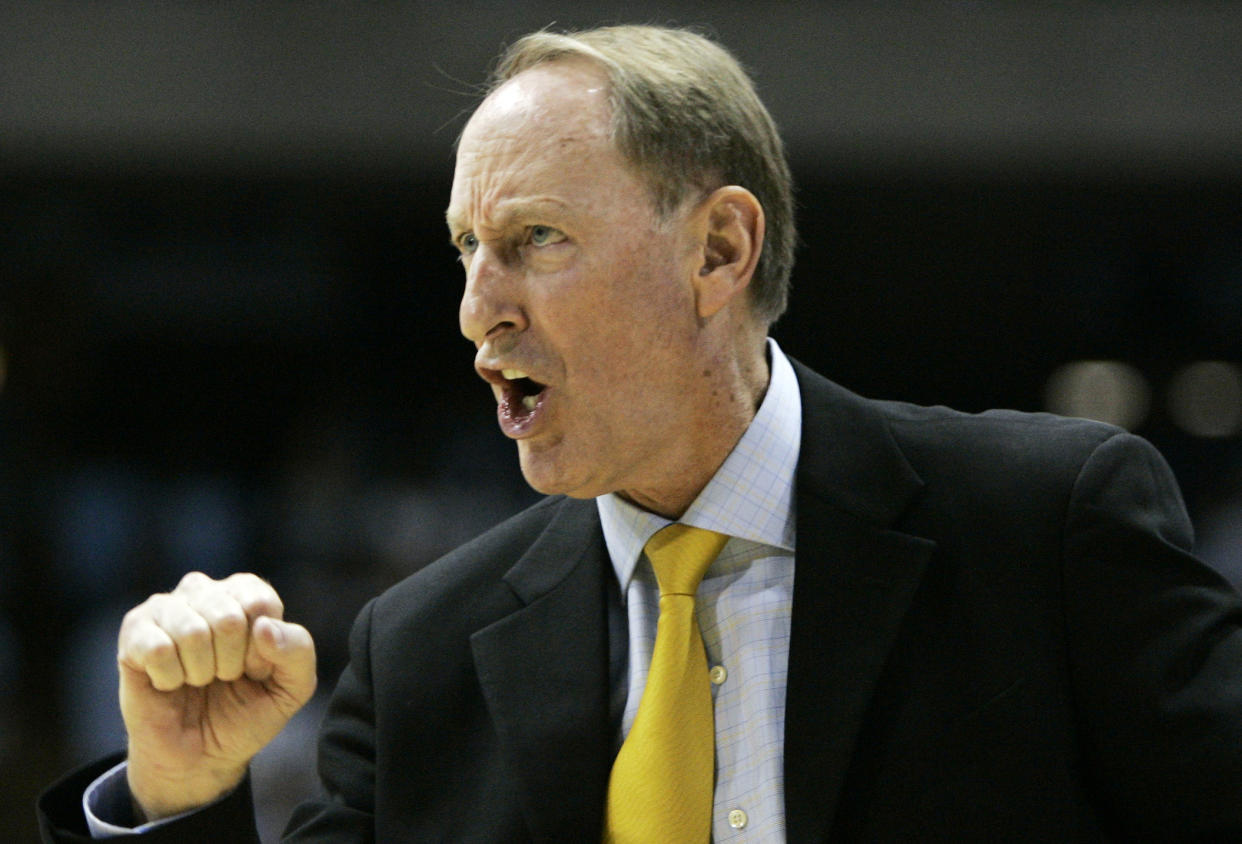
[(686, 116)]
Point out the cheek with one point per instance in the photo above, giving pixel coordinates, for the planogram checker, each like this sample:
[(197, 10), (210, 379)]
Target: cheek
[(618, 319), (647, 288)]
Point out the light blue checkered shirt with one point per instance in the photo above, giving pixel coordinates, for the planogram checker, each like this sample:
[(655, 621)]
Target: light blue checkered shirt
[(743, 606)]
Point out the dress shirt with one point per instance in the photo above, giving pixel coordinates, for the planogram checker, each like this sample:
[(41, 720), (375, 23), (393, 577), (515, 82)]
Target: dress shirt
[(108, 797), (743, 606)]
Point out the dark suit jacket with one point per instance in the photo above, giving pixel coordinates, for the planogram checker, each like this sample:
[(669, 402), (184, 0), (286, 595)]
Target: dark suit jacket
[(998, 634)]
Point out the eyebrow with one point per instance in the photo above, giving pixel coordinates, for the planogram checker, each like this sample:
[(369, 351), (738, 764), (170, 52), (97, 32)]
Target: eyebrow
[(508, 210), (452, 220)]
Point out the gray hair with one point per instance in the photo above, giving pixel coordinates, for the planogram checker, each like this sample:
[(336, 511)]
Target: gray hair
[(687, 116)]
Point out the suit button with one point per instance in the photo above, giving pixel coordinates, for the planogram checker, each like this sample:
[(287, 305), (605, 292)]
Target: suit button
[(718, 674)]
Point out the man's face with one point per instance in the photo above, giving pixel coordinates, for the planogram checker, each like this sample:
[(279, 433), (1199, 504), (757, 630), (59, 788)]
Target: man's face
[(578, 298)]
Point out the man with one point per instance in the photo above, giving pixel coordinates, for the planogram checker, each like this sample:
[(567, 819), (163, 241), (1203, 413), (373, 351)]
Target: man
[(923, 626)]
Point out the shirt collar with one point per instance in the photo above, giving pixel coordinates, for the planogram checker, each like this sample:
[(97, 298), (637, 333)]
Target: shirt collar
[(749, 497)]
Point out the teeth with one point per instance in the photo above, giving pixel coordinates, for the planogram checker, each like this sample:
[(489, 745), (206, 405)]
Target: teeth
[(529, 402), (513, 374)]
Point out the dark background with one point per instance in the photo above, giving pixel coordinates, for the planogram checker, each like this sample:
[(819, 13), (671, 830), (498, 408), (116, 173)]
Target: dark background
[(228, 304)]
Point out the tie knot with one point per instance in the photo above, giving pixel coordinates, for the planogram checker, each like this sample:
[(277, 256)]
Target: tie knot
[(681, 555)]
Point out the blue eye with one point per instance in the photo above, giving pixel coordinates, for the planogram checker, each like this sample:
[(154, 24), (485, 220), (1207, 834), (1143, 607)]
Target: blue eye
[(544, 235), (468, 242)]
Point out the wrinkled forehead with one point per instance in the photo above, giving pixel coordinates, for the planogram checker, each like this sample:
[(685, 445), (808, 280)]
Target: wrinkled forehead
[(546, 132)]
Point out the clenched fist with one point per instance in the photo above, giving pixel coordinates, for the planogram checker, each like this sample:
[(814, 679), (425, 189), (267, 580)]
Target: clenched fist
[(210, 673)]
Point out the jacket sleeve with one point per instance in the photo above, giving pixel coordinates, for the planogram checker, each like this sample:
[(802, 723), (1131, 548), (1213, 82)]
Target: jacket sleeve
[(1155, 650), (346, 810), (61, 819)]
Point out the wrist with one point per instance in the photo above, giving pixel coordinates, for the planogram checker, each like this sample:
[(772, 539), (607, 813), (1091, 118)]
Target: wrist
[(159, 793)]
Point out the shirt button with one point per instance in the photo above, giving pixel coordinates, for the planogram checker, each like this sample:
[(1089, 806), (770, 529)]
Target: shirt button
[(737, 819), (718, 674)]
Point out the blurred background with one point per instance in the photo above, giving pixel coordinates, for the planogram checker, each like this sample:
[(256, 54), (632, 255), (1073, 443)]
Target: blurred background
[(228, 304)]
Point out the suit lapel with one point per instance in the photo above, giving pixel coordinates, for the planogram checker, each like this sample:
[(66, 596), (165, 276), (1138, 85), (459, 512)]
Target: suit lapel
[(855, 579), (543, 671)]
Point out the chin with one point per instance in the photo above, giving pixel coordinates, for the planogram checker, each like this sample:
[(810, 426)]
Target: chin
[(548, 478), (545, 486), (542, 478)]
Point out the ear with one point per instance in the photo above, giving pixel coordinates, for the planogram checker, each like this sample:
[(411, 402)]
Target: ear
[(730, 229)]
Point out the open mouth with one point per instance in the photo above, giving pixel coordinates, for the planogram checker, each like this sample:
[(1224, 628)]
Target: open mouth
[(521, 391)]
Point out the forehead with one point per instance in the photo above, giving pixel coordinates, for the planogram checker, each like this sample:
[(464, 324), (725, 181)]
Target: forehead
[(562, 95), (547, 128)]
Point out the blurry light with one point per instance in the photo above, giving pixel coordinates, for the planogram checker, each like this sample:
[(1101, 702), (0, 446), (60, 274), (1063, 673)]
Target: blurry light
[(1104, 390), (1205, 399)]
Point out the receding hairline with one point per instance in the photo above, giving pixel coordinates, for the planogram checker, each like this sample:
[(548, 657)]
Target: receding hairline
[(594, 66), (603, 129), (582, 125)]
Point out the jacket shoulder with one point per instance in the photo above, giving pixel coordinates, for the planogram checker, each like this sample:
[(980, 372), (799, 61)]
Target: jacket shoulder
[(990, 456), (1011, 437), (485, 555), (469, 582)]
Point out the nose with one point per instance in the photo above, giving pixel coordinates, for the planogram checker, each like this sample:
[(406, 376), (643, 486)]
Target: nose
[(490, 305)]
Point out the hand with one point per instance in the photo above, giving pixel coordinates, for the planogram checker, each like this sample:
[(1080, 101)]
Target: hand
[(210, 673)]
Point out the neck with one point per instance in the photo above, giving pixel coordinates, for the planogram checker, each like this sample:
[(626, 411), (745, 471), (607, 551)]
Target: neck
[(738, 387)]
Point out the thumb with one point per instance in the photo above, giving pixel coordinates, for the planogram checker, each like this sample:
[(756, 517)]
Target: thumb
[(289, 652)]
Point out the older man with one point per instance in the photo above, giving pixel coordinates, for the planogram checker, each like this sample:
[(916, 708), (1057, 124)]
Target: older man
[(914, 625)]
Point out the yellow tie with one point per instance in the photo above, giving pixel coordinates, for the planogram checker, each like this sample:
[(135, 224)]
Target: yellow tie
[(663, 778)]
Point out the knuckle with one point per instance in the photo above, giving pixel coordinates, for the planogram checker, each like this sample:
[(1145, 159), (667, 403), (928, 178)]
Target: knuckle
[(232, 618), (150, 606), (150, 651), (257, 597), (191, 631), (272, 606), (245, 581), (133, 618), (135, 629), (159, 652), (193, 580), (230, 623)]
